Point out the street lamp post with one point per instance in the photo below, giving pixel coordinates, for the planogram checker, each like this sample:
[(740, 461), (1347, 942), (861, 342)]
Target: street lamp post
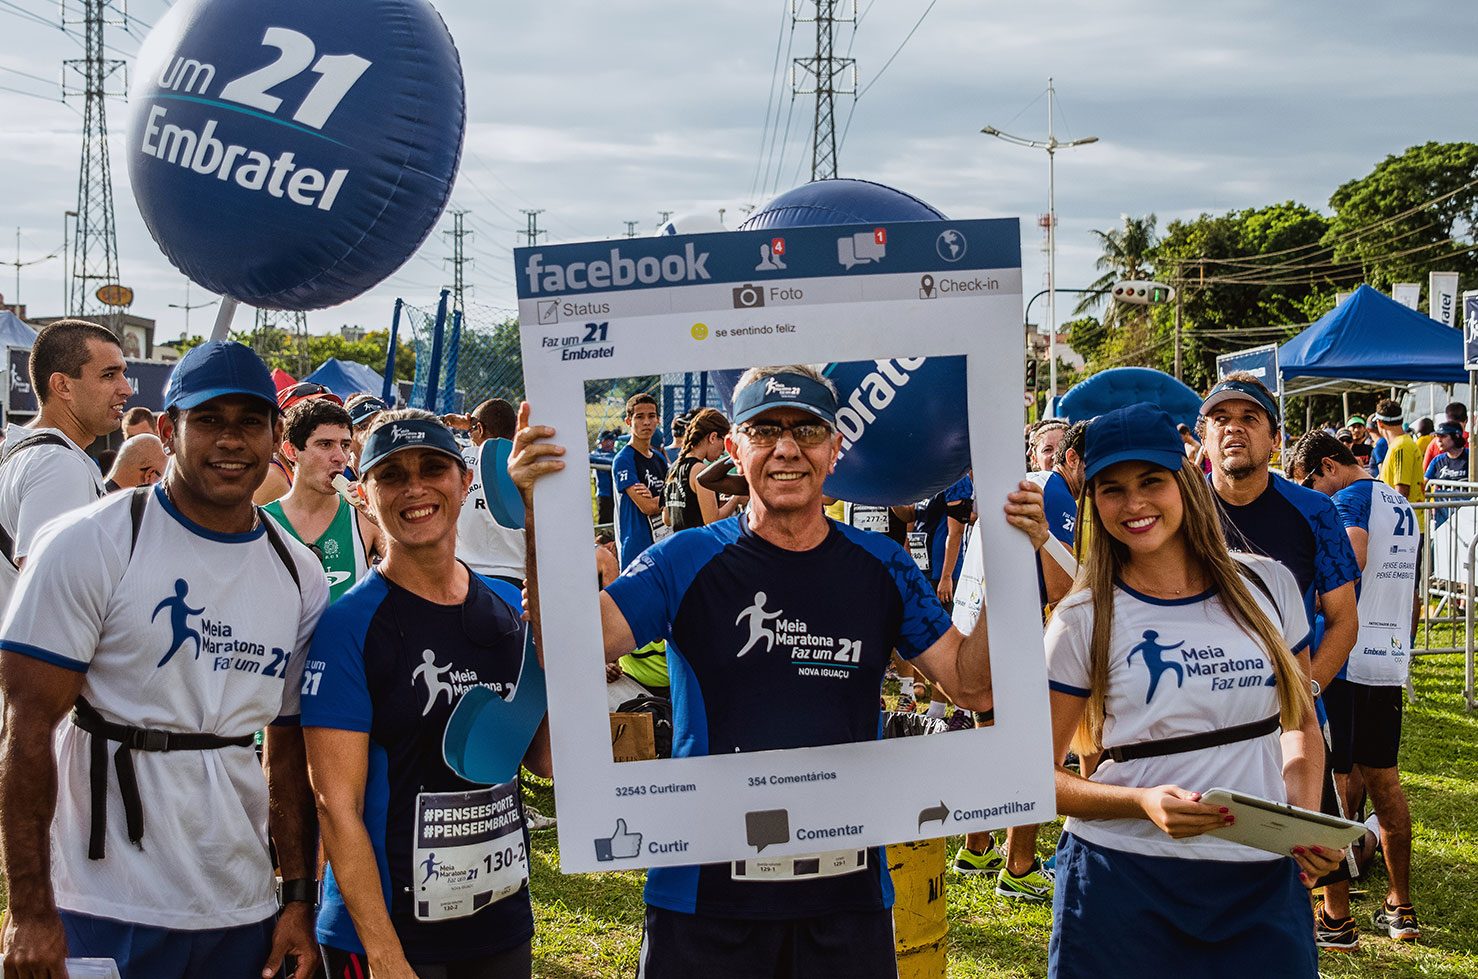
[(1051, 145)]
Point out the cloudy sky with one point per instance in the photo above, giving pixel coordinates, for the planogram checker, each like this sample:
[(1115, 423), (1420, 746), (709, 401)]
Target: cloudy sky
[(601, 113)]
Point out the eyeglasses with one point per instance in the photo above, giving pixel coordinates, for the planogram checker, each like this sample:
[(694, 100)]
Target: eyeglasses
[(1347, 440), (1308, 481), (806, 434)]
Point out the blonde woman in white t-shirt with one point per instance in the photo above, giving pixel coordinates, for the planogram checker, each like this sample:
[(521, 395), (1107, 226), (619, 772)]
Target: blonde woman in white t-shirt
[(1166, 637)]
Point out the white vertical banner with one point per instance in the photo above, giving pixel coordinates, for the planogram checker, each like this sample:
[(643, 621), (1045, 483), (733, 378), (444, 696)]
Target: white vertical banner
[(1470, 330), (1408, 294), (1442, 297)]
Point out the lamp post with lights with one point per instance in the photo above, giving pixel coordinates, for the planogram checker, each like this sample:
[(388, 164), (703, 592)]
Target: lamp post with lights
[(1051, 145)]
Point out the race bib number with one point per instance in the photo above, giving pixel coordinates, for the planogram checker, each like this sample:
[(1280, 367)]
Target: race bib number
[(659, 528), (918, 546), (873, 519), (807, 866), (468, 851)]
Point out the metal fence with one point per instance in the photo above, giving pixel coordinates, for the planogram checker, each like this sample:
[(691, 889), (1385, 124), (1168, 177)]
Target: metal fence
[(1447, 581)]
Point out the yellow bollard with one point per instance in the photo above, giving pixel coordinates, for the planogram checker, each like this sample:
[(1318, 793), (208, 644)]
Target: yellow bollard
[(919, 924)]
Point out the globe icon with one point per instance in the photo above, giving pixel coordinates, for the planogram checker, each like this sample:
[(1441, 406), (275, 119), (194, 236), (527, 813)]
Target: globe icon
[(950, 245)]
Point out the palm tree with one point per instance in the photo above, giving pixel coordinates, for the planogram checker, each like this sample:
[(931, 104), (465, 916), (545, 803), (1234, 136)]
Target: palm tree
[(1125, 254)]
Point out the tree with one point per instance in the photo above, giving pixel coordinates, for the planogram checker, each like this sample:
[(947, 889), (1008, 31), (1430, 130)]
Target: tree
[(1413, 213), (1236, 290), (1125, 255)]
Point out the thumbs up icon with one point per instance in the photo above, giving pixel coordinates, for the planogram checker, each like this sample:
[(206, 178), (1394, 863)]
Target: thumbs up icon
[(620, 845)]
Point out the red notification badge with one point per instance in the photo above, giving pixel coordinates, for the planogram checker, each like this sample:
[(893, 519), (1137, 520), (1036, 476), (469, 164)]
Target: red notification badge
[(880, 235), (777, 246)]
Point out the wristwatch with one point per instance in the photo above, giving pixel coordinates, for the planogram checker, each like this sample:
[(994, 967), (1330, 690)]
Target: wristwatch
[(1317, 689), (298, 889)]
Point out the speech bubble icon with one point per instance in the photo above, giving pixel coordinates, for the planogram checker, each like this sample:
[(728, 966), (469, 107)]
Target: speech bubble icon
[(619, 845), (845, 254), (766, 826), (867, 247)]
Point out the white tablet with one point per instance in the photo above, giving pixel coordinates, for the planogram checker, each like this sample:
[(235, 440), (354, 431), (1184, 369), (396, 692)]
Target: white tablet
[(1278, 827)]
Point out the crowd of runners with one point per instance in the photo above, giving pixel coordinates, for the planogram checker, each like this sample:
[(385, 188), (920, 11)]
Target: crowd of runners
[(228, 666)]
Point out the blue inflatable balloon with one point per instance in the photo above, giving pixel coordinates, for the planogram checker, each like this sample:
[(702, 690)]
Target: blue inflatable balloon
[(905, 434), (292, 155), (1122, 386)]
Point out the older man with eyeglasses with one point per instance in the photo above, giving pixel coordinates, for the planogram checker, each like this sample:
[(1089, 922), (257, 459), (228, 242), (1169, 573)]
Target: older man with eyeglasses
[(715, 593)]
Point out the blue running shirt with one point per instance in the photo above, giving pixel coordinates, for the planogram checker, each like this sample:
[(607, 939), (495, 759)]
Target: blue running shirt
[(391, 664), (745, 623), (1299, 529), (631, 468)]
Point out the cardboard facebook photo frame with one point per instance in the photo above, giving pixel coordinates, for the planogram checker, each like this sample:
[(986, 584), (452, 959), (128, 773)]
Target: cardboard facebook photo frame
[(905, 291)]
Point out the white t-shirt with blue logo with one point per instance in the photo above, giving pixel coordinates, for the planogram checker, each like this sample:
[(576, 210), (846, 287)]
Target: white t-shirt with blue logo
[(1180, 667), (1380, 656), (198, 632)]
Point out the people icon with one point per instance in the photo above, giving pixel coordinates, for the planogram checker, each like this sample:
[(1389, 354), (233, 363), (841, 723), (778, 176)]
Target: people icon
[(429, 673), (758, 616), (179, 616), (769, 260)]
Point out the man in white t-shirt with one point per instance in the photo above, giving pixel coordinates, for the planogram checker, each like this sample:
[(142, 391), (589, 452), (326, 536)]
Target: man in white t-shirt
[(488, 547), (1364, 700), (77, 373), (148, 638)]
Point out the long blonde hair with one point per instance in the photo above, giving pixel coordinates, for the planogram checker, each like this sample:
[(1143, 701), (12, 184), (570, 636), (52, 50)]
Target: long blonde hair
[(1103, 564)]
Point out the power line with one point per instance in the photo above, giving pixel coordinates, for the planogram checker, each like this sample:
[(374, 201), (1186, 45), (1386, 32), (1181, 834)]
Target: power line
[(901, 46), (769, 100), (26, 74)]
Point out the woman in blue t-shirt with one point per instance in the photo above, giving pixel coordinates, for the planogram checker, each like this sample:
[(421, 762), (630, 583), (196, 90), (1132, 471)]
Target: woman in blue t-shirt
[(428, 869), (1182, 663)]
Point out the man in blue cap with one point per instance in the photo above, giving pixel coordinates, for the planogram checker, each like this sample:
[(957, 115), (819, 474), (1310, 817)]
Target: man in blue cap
[(163, 627), (1263, 513), (715, 594)]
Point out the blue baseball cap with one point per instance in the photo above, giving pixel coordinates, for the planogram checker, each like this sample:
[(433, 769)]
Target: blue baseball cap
[(364, 410), (1241, 391), (216, 368), (1142, 432), (407, 433), (1449, 428), (785, 390)]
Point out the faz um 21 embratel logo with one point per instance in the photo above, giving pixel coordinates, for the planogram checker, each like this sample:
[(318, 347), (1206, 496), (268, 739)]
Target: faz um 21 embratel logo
[(214, 638)]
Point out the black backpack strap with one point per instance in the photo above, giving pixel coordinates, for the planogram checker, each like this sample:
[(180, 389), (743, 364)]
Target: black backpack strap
[(1193, 742), (280, 546), (7, 542), (136, 515), (129, 739)]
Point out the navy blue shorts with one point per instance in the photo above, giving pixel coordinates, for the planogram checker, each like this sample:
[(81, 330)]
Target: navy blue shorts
[(144, 952), (1364, 724), (1125, 914), (850, 944)]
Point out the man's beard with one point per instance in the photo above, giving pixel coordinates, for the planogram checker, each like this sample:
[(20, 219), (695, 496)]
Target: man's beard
[(1238, 468)]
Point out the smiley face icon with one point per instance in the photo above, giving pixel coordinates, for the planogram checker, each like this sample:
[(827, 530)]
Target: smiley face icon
[(700, 331)]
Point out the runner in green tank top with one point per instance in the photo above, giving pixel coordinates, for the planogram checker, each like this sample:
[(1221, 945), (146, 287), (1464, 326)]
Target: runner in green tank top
[(338, 548), (316, 437)]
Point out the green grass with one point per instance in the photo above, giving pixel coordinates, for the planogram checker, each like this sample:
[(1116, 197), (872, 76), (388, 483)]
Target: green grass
[(590, 925)]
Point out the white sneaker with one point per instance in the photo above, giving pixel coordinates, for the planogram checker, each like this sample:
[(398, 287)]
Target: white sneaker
[(536, 820)]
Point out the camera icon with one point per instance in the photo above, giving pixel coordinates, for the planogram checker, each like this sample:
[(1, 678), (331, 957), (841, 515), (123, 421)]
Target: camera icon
[(748, 296)]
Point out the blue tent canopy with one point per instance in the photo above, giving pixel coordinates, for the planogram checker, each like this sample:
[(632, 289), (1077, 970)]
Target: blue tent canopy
[(1370, 337), (14, 332), (344, 378)]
